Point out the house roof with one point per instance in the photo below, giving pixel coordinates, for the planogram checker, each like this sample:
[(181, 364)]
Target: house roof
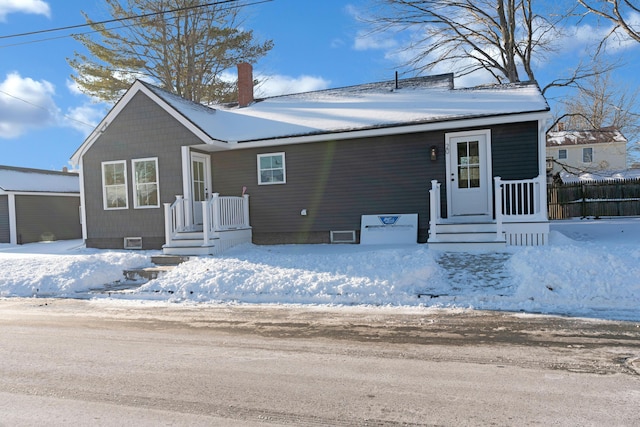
[(369, 106), (15, 179), (373, 108), (604, 135)]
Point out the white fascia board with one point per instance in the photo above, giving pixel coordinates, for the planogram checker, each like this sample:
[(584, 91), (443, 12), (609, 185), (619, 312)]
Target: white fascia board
[(396, 130)]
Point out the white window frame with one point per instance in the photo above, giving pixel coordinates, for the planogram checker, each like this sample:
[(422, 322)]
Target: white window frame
[(284, 169), (135, 183), (125, 185), (584, 151), (562, 154)]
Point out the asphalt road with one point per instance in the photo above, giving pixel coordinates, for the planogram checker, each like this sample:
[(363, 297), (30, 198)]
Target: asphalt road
[(71, 362)]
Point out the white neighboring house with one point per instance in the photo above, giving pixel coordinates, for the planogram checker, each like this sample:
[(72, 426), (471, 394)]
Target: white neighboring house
[(586, 151)]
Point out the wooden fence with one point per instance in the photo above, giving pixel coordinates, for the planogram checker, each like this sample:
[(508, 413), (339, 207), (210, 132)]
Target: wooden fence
[(594, 199)]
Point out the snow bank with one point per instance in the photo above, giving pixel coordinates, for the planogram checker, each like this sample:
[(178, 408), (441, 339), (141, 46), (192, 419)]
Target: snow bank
[(591, 268)]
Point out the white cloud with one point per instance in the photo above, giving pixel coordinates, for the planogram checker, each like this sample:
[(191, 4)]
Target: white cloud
[(25, 103), (367, 40), (274, 85), (85, 118), (37, 7)]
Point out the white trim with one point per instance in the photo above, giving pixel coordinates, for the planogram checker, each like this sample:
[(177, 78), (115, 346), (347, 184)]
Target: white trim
[(284, 168), (122, 103), (83, 201), (207, 182), (104, 188), (13, 223), (392, 130), (487, 172), (135, 184)]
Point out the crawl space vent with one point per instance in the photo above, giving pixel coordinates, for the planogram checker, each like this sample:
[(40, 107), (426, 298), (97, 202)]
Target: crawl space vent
[(343, 236), (133, 242)]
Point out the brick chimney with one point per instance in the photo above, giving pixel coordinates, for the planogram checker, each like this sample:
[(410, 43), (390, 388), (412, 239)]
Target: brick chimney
[(245, 84)]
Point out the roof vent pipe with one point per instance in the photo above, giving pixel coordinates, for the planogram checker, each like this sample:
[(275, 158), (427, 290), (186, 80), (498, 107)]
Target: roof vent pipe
[(397, 87), (245, 84)]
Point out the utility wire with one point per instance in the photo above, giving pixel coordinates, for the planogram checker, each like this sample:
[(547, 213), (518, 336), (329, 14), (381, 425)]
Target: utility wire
[(127, 18), (44, 108)]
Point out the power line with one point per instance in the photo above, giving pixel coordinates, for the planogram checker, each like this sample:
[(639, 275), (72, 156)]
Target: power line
[(44, 108), (126, 18)]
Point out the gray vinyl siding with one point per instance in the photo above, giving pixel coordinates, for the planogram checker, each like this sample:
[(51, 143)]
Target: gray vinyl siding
[(514, 150), (5, 235), (141, 130), (339, 181), (41, 218)]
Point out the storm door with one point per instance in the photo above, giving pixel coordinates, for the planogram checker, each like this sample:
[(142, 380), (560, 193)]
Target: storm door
[(469, 175), (200, 184)]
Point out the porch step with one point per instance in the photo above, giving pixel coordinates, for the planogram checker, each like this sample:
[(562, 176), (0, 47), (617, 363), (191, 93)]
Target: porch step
[(471, 246), (190, 250), (472, 236)]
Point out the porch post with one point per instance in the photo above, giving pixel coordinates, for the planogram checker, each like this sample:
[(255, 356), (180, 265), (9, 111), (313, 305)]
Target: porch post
[(245, 210), (434, 208), (205, 222), (179, 213), (215, 202), (167, 223), (498, 196)]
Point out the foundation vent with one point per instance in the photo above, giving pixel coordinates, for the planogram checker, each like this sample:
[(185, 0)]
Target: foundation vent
[(133, 242), (343, 236)]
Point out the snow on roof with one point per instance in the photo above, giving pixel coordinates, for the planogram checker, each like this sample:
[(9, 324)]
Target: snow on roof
[(369, 106), (38, 180), (578, 137)]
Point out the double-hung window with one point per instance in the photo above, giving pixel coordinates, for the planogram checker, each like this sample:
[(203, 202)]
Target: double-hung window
[(271, 169), (145, 183), (587, 155), (562, 154), (114, 185)]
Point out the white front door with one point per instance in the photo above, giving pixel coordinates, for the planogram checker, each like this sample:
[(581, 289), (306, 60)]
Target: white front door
[(468, 175), (200, 184)]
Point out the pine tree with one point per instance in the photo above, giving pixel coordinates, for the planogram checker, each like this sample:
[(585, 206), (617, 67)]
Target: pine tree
[(183, 46)]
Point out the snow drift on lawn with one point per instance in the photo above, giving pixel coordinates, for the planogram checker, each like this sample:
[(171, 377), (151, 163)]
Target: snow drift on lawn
[(590, 268)]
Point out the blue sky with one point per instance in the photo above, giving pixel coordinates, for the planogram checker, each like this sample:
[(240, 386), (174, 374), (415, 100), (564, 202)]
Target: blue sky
[(318, 44)]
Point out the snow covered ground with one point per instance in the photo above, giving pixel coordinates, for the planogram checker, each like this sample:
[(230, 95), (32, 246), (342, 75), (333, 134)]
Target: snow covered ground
[(591, 268)]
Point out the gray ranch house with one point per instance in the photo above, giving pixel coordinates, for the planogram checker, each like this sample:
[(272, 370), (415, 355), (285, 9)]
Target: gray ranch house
[(38, 205), (466, 165)]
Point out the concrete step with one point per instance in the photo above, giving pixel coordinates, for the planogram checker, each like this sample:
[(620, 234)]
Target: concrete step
[(146, 273), (164, 260)]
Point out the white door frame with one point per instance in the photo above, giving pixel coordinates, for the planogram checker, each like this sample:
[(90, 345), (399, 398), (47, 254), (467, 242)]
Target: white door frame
[(187, 183), (483, 195)]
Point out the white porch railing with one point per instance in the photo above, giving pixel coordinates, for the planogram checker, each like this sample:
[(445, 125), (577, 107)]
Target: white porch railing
[(218, 214), (520, 200), (224, 213), (515, 201)]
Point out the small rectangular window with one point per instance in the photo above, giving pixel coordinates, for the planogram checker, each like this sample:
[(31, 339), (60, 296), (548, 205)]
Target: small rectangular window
[(114, 185), (145, 183), (271, 169), (587, 155), (562, 154)]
